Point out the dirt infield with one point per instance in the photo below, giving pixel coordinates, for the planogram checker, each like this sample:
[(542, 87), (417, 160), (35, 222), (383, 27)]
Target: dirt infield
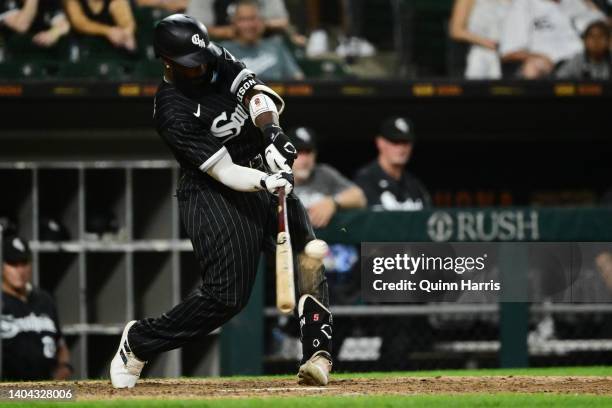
[(224, 388)]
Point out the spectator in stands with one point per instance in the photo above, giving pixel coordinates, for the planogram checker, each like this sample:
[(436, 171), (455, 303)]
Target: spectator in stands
[(479, 22), (33, 347), (320, 187), (595, 62), (269, 58), (538, 35), (111, 19), (217, 16), (173, 6), (385, 181), (339, 21), (43, 19)]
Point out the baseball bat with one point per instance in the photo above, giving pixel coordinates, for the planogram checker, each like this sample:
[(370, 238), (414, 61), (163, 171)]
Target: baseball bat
[(285, 286)]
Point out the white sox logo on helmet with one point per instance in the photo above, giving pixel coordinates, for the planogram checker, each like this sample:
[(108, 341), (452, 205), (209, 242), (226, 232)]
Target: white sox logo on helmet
[(196, 40)]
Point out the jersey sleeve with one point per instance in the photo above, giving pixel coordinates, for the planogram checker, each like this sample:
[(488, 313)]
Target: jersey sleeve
[(571, 69), (51, 310), (426, 196), (59, 336), (368, 185), (337, 183), (240, 78), (190, 142)]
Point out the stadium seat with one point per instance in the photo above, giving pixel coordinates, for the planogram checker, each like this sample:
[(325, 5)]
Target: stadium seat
[(323, 68), (34, 69), (146, 18), (99, 49), (147, 70), (112, 70), (21, 48), (23, 59), (319, 68)]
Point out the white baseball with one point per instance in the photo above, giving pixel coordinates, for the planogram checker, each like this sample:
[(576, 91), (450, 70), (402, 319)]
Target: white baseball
[(316, 248)]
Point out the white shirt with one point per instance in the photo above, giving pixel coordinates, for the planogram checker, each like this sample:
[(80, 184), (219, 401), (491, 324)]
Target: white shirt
[(487, 18), (541, 27)]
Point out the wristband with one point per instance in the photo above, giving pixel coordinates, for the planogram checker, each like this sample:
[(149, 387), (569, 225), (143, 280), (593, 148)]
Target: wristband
[(262, 182), (272, 131)]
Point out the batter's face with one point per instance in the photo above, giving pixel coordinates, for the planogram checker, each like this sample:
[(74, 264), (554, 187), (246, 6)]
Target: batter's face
[(17, 275), (185, 72), (248, 24), (394, 152), (303, 165)]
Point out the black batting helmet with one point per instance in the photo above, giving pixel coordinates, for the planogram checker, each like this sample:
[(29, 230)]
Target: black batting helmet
[(184, 40)]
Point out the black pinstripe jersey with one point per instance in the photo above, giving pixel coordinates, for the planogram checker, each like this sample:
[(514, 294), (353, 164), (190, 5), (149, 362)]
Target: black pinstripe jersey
[(198, 128)]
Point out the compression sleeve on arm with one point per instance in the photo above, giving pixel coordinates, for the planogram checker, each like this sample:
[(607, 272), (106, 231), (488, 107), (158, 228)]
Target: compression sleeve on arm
[(236, 177)]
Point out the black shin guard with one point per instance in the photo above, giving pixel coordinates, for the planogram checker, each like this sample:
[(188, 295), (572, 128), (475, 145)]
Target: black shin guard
[(315, 328)]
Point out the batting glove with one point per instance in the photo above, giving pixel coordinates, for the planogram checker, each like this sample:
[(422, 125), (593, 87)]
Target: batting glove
[(275, 181), (280, 152)]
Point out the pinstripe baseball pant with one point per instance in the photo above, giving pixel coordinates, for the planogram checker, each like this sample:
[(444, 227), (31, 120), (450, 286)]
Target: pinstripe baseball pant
[(229, 230)]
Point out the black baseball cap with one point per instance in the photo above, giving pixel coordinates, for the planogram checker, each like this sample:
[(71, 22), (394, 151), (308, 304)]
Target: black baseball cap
[(398, 129), (303, 138), (16, 250)]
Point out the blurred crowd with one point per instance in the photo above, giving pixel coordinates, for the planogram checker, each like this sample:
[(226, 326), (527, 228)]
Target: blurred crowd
[(533, 39), (294, 39), (37, 33)]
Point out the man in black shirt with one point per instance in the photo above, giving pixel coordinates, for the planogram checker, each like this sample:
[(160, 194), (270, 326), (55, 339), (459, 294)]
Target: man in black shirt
[(385, 182), (32, 344), (222, 125)]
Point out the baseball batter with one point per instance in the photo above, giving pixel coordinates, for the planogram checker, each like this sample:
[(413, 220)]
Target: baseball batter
[(221, 124)]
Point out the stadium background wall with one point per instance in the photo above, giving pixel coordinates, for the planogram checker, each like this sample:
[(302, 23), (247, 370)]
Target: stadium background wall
[(521, 138), (510, 129)]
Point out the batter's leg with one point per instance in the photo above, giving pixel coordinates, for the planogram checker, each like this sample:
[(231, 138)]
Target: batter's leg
[(226, 229), (310, 274), (313, 307)]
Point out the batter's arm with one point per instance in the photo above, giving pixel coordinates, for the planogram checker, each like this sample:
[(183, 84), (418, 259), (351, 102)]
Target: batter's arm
[(263, 104), (246, 179), (20, 19), (265, 117)]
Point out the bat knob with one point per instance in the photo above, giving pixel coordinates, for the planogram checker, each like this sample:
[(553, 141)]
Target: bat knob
[(286, 308)]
